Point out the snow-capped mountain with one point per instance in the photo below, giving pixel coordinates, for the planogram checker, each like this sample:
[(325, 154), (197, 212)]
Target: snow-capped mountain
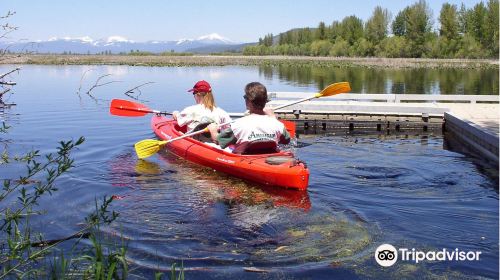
[(119, 44)]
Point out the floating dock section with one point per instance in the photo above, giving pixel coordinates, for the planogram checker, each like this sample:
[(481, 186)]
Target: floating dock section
[(472, 120)]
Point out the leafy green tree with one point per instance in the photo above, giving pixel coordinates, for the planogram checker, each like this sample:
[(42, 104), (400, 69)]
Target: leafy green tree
[(399, 23), (351, 29), (334, 31), (361, 48), (268, 40), (320, 32), (462, 18), (377, 25), (321, 47), (449, 21), (283, 38), (441, 47), (304, 35), (418, 27), (432, 47), (491, 29), (469, 48), (340, 48), (395, 46), (478, 23), (304, 49)]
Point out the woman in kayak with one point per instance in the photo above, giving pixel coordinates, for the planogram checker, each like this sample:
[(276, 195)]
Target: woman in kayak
[(260, 126), (204, 112)]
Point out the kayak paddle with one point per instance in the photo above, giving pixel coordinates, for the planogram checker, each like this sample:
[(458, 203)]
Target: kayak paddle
[(149, 147), (330, 90), (125, 108)]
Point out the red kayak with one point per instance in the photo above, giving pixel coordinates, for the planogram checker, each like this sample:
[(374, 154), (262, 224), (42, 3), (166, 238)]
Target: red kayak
[(279, 169)]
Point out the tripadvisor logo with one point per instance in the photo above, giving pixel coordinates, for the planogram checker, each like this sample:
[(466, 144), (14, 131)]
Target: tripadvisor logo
[(387, 255)]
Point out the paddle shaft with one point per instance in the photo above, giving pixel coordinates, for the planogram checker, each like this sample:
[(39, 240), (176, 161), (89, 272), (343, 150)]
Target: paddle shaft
[(189, 134), (294, 102), (146, 111)]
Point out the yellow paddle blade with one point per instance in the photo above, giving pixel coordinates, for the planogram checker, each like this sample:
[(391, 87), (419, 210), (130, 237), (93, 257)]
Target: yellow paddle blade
[(148, 147), (334, 89)]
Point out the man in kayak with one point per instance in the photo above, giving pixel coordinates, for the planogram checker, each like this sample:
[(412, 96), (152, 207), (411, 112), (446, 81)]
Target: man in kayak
[(204, 112), (259, 126)]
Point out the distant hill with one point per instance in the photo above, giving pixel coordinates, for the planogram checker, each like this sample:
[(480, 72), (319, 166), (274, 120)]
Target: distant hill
[(116, 44)]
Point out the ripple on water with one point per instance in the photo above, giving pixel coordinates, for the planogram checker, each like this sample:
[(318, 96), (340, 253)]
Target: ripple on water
[(213, 220)]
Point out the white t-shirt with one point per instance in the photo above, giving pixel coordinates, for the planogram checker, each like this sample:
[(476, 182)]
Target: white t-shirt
[(257, 127), (197, 114)]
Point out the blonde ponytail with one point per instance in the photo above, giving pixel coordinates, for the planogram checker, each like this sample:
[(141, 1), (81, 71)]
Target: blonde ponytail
[(208, 100)]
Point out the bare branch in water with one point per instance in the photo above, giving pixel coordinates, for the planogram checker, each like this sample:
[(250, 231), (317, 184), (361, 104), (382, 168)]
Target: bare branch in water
[(4, 92), (99, 84), (81, 80), (5, 86), (132, 90), (8, 73)]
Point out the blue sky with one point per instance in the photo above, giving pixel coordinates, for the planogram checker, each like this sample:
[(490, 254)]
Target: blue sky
[(241, 21)]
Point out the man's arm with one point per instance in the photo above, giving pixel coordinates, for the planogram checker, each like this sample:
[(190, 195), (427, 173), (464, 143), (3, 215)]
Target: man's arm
[(285, 137)]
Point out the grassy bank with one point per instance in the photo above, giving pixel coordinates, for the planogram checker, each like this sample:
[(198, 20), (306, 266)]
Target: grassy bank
[(222, 60)]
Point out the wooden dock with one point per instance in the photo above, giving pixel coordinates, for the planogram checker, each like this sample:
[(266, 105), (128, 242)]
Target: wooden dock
[(472, 120)]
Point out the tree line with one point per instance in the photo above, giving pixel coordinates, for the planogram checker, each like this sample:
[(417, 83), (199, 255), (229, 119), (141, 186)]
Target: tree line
[(462, 33)]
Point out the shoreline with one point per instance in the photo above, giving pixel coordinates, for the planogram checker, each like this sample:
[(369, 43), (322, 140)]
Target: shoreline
[(225, 60)]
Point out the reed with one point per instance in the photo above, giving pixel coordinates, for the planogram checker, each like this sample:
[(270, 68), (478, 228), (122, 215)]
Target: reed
[(179, 60)]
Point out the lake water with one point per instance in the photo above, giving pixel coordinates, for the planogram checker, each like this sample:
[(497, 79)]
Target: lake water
[(364, 190)]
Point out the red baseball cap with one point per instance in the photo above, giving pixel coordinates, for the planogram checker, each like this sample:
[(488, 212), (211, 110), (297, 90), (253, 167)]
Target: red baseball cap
[(201, 86)]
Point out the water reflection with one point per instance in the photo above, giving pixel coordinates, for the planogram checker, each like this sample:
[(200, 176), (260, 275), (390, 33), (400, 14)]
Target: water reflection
[(173, 210), (386, 81), (232, 191)]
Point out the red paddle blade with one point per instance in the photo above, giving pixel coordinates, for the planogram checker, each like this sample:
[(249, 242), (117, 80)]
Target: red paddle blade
[(290, 127), (125, 108)]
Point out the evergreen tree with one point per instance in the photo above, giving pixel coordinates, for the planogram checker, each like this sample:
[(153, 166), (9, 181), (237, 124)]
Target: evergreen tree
[(399, 23), (449, 21), (321, 32), (334, 31), (491, 29), (351, 29), (376, 26), (478, 23), (463, 20), (304, 35), (418, 26), (268, 40)]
